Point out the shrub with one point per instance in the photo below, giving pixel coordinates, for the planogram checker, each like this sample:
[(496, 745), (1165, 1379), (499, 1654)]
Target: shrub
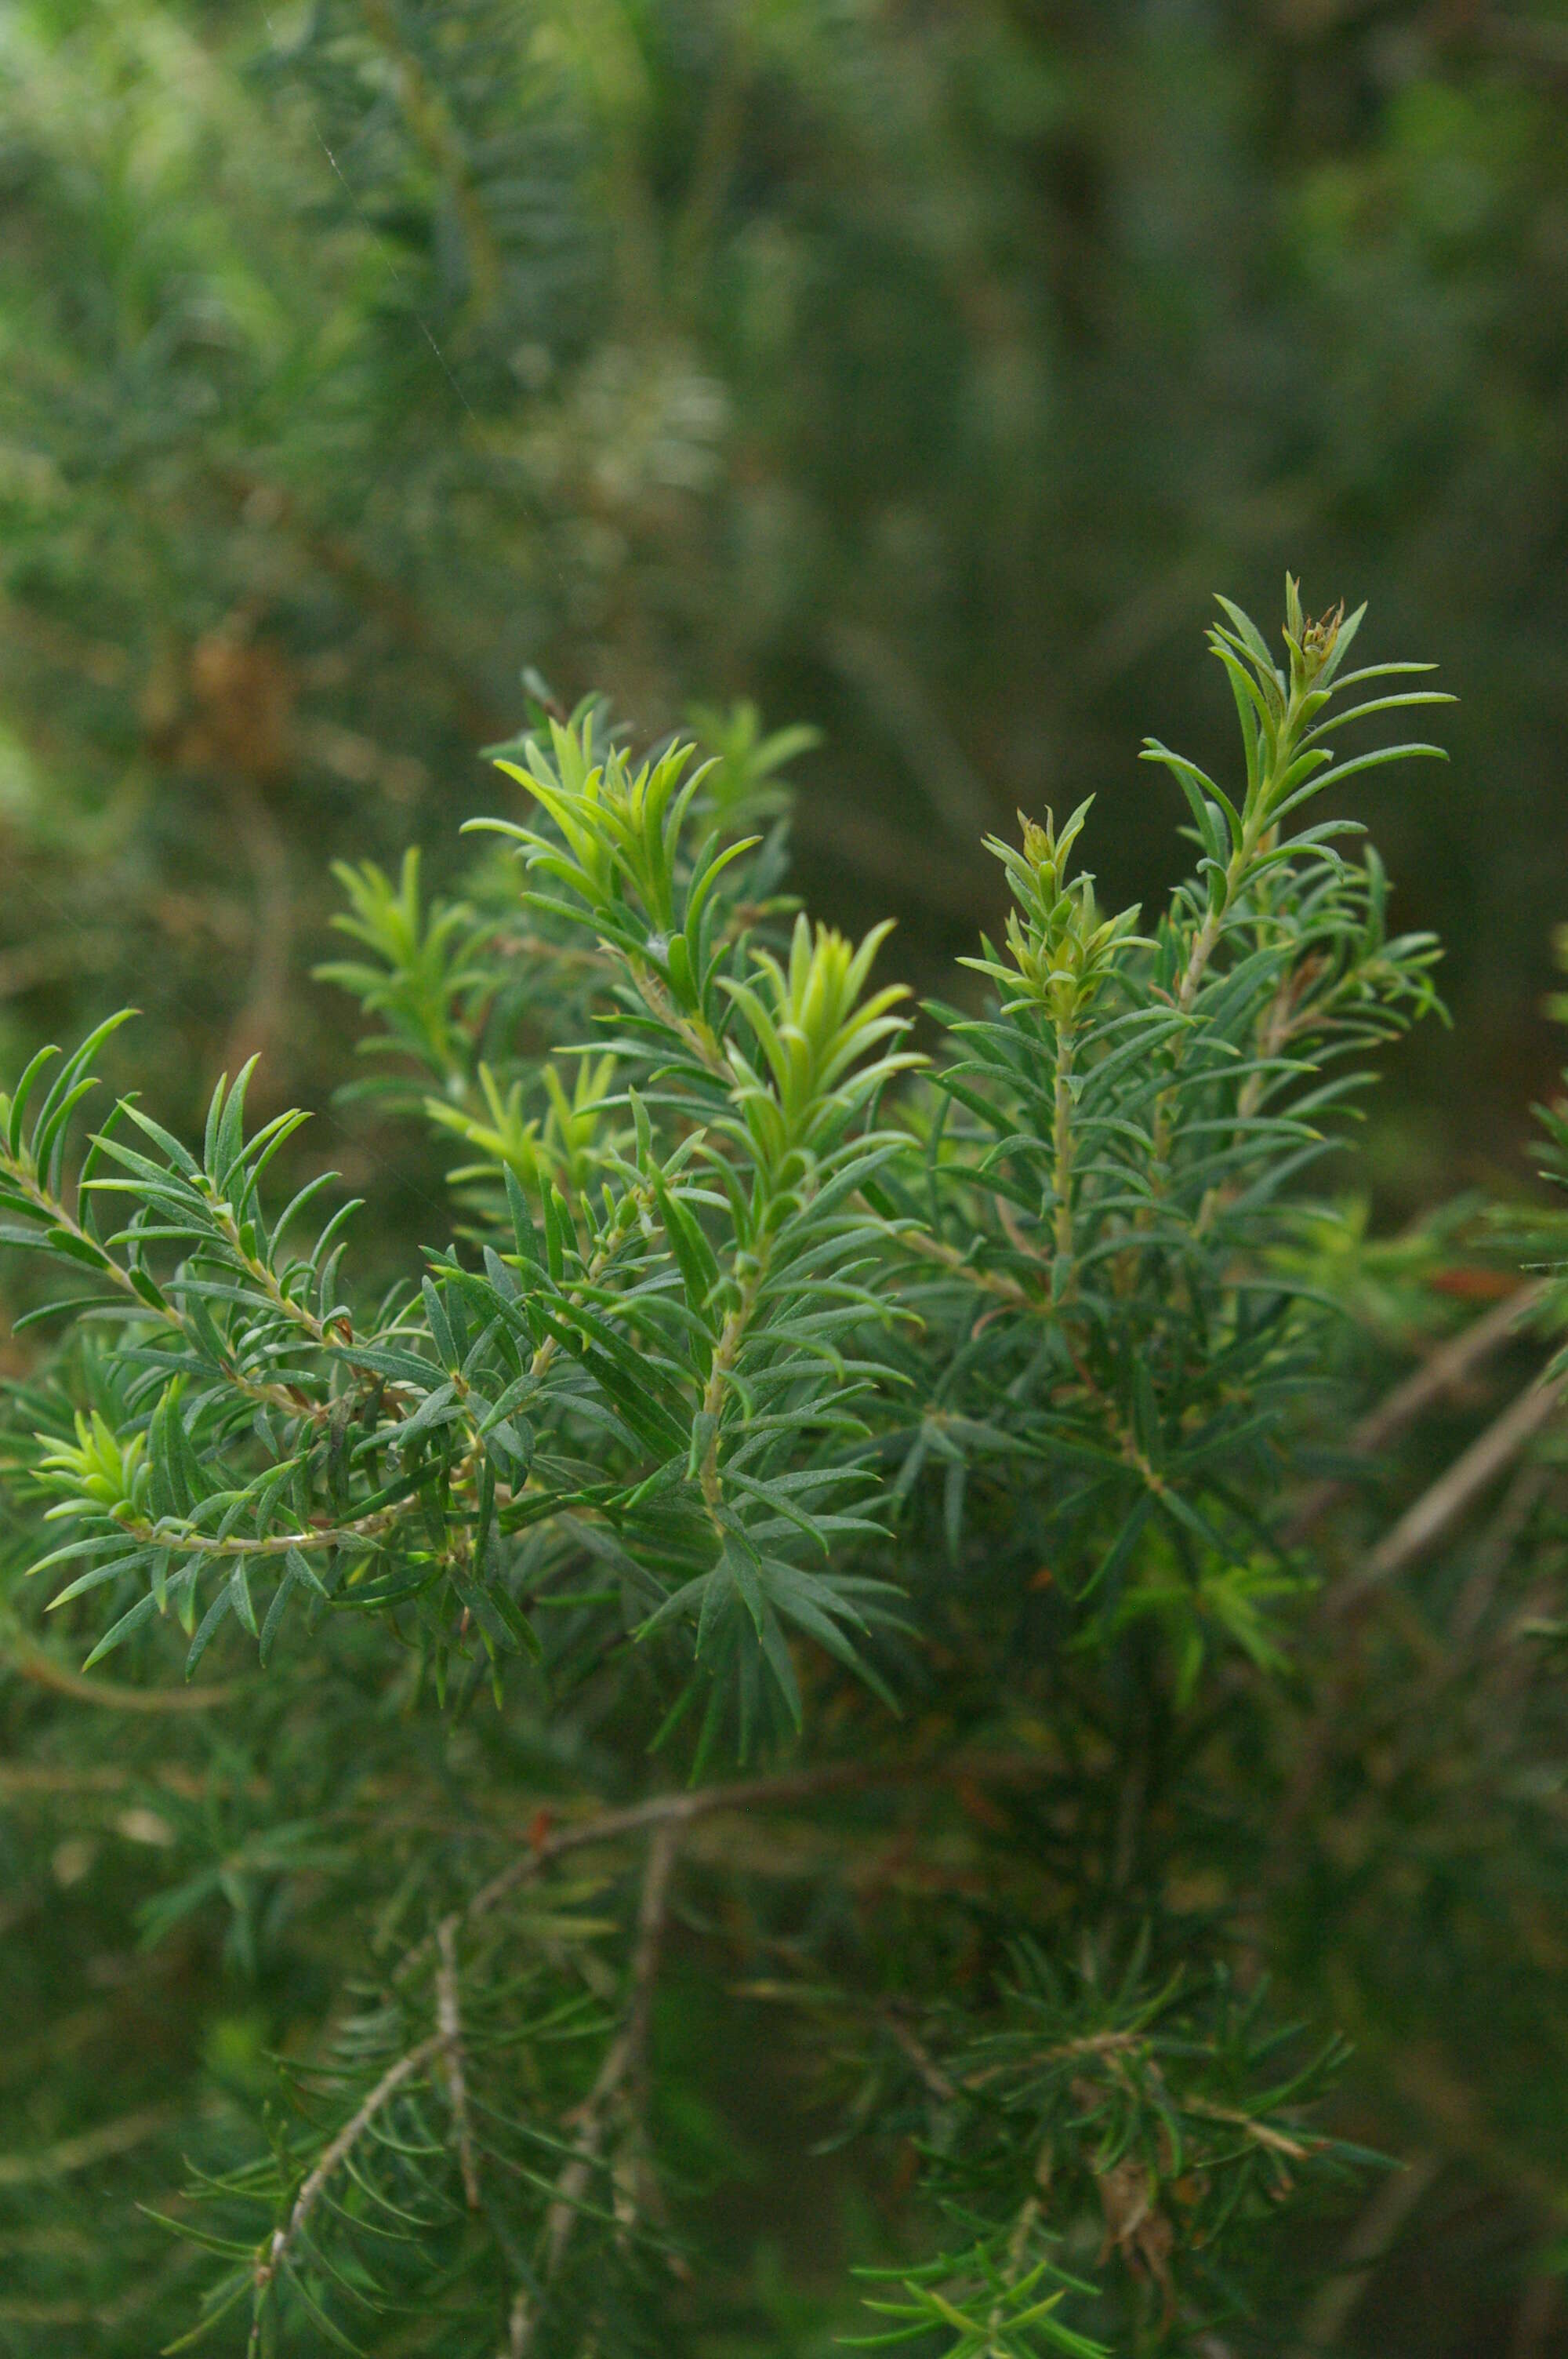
[(913, 1427)]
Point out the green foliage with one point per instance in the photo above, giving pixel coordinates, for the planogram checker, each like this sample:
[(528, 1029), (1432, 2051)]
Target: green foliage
[(909, 1427), (922, 369), (1150, 2105), (357, 354)]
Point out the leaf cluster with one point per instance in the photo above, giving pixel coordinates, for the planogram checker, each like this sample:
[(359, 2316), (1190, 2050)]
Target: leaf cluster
[(779, 1390)]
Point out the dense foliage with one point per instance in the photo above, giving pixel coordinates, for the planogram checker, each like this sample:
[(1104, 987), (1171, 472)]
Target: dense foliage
[(926, 1434), (923, 369)]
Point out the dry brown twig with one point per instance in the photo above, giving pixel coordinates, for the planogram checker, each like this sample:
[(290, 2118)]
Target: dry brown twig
[(1473, 1472), (30, 1662), (944, 2090), (449, 2021), (1375, 2233), (1443, 1373), (740, 1794), (619, 2079), (333, 2157), (86, 2149)]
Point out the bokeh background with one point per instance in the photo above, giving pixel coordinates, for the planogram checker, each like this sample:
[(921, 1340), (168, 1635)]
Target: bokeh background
[(918, 368)]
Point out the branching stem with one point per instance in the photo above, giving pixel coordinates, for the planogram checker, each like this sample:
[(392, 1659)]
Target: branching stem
[(737, 1794), (619, 2078), (1061, 1139), (285, 1397), (726, 1352), (396, 2076)]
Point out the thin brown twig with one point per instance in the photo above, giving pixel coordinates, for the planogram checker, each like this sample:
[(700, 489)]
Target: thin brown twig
[(1425, 1523), (88, 2148), (449, 2019), (342, 2146), (1421, 1527), (943, 2089), (741, 1794), (621, 2072), (20, 1778), (1443, 1372), (517, 2328), (30, 1662), (1532, 1484), (1367, 2244)]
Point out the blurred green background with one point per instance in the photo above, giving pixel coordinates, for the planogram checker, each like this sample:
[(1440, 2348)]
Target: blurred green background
[(915, 367), (920, 369)]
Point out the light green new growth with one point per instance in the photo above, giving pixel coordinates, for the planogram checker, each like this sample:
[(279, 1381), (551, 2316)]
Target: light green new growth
[(906, 1425)]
